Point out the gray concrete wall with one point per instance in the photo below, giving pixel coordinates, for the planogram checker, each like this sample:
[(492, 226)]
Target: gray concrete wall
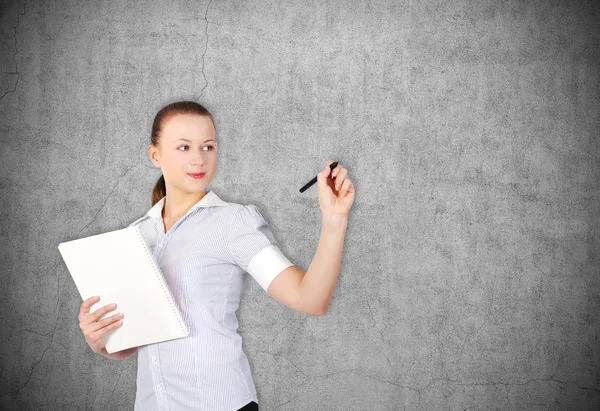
[(470, 274)]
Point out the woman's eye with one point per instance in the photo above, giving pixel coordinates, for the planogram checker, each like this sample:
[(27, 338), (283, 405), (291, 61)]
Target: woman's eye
[(208, 146)]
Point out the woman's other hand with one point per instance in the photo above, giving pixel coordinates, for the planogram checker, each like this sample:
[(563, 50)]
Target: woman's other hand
[(93, 330)]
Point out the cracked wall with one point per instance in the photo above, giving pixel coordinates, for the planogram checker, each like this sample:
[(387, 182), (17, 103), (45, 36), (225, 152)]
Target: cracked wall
[(470, 130)]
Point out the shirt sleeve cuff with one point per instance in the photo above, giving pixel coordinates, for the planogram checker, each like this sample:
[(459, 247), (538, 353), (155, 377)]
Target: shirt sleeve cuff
[(267, 264)]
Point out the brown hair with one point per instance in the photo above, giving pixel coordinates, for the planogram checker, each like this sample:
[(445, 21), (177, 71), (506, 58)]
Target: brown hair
[(164, 114)]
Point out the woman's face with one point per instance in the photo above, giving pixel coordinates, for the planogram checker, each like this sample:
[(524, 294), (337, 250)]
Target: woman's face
[(187, 145)]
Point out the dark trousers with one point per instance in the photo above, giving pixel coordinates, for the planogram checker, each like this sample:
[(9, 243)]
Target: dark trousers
[(251, 406)]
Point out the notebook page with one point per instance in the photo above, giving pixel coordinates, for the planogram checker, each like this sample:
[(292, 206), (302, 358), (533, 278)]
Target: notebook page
[(119, 267)]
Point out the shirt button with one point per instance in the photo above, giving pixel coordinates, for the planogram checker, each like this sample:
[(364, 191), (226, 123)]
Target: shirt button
[(158, 386), (153, 358)]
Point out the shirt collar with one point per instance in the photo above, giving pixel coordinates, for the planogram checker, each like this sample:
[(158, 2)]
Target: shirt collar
[(210, 199)]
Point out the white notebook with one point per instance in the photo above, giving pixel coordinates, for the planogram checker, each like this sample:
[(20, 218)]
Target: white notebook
[(119, 267)]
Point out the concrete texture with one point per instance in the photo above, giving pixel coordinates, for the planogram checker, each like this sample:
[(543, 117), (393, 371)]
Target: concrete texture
[(470, 275)]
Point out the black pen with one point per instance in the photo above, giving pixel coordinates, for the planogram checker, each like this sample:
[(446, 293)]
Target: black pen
[(314, 180)]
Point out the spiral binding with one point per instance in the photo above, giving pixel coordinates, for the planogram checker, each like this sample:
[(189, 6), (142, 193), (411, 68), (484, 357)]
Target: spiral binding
[(166, 289)]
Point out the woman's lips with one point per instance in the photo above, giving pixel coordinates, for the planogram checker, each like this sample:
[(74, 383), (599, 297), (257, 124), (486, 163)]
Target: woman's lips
[(200, 175)]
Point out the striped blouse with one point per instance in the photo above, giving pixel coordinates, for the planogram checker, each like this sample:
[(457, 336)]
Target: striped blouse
[(204, 257)]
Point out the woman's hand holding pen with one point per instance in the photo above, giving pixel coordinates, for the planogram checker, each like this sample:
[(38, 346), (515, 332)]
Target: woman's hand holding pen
[(336, 191)]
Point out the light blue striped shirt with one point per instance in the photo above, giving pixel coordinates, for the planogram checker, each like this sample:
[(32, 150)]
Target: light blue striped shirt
[(205, 257)]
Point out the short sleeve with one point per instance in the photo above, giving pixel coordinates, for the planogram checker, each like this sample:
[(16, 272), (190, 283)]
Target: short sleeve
[(253, 247)]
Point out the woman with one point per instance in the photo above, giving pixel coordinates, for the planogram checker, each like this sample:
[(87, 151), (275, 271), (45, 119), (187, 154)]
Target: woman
[(204, 247)]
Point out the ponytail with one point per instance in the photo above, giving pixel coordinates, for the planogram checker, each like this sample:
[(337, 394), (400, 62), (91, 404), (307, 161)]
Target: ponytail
[(159, 190)]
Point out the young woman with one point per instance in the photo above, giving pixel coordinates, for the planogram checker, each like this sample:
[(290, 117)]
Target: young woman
[(204, 246)]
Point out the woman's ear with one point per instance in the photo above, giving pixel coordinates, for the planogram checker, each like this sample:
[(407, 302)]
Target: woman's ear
[(154, 156)]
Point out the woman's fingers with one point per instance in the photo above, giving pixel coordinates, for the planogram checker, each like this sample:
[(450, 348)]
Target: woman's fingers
[(348, 189), (95, 335), (96, 325), (339, 175), (342, 183), (85, 316), (103, 310), (336, 170), (90, 323), (85, 307), (345, 187)]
